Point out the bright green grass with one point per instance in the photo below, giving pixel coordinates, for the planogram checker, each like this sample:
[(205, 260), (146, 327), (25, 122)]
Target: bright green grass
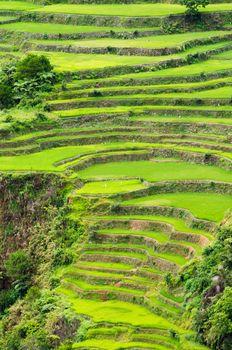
[(18, 5), (74, 272), (116, 311), (139, 109), (158, 41), (222, 92), (166, 294), (210, 66), (104, 265), (165, 306), (115, 9), (161, 237), (55, 28), (81, 84), (210, 84), (227, 55), (150, 74), (6, 18), (183, 119), (110, 187), (209, 206), (119, 99), (128, 10), (85, 286), (177, 223), (106, 344), (139, 249), (74, 62), (45, 160), (127, 254), (157, 171)]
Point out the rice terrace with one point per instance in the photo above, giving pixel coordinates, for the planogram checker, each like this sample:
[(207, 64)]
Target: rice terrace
[(116, 174)]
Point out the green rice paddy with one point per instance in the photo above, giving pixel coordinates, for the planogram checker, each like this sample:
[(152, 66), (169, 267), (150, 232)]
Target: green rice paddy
[(102, 187), (159, 41), (157, 171), (128, 10), (56, 28), (131, 126), (209, 206)]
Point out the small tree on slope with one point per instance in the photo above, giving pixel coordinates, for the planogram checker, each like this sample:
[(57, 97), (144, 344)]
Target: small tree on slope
[(193, 5)]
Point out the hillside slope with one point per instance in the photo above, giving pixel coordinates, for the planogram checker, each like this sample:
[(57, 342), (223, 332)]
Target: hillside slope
[(135, 137)]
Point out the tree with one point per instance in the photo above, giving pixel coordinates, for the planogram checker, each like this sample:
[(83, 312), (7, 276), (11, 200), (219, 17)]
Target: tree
[(18, 266), (32, 66), (193, 5), (219, 334), (6, 96)]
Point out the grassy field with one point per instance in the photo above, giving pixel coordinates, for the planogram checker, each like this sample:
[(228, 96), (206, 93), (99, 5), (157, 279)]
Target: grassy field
[(128, 10), (55, 28), (178, 224), (18, 5), (157, 171), (159, 41), (73, 62), (115, 310), (209, 206), (102, 187), (223, 92)]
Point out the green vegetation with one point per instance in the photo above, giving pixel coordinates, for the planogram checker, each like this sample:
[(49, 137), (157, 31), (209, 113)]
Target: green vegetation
[(25, 79), (76, 62), (115, 175), (157, 171), (209, 282), (17, 6), (56, 28), (129, 10), (160, 41), (208, 206), (111, 187), (193, 5)]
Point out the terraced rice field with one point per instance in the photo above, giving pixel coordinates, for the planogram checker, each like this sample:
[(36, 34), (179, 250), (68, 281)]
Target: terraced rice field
[(141, 127)]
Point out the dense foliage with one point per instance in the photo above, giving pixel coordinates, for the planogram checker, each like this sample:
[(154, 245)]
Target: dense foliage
[(36, 237), (208, 285), (23, 81), (194, 5)]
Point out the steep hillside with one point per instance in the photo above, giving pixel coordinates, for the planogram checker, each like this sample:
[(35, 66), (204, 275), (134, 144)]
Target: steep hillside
[(116, 176)]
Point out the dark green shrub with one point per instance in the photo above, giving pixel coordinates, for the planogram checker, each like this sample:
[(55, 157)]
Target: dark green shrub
[(193, 5), (32, 66), (18, 266), (96, 93), (6, 96)]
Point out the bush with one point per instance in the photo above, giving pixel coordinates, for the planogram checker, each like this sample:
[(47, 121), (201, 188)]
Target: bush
[(32, 66), (24, 81), (209, 292), (193, 5), (6, 96), (18, 266), (220, 322)]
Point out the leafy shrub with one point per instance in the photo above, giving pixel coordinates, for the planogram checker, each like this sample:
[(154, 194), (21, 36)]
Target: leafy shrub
[(24, 81), (6, 96), (193, 5), (95, 93), (32, 66), (18, 266), (209, 292)]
